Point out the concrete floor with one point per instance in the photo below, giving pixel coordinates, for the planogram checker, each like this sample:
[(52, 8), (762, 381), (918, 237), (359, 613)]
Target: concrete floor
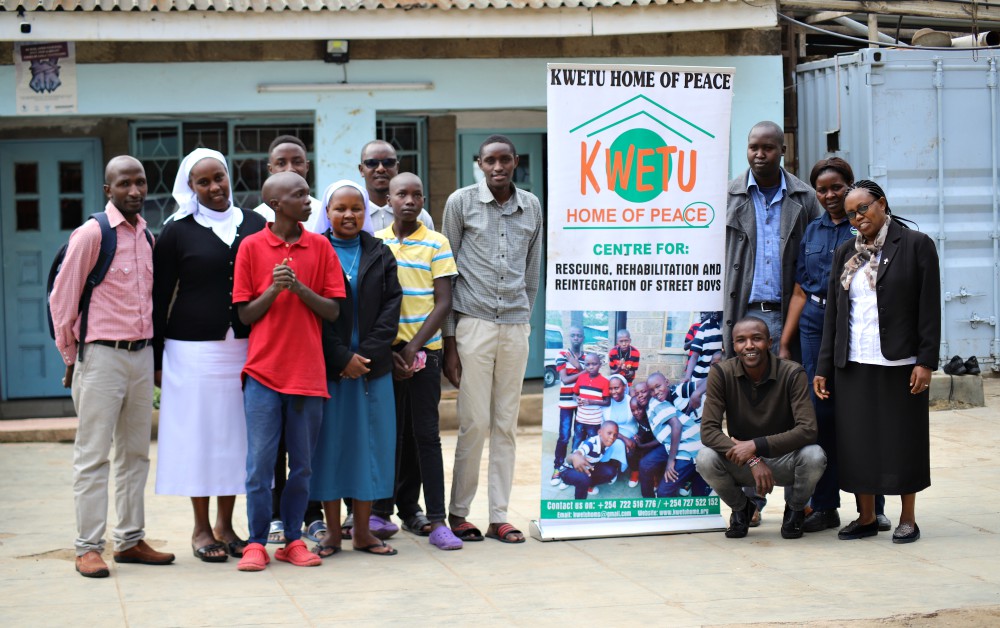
[(679, 580)]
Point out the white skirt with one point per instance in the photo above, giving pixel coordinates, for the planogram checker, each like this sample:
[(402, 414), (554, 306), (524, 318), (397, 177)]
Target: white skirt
[(202, 438)]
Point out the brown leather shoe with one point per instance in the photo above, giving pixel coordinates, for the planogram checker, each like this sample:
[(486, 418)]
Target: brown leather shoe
[(143, 554), (91, 565)]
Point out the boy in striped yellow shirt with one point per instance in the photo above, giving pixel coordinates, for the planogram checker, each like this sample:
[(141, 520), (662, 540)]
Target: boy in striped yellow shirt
[(425, 268)]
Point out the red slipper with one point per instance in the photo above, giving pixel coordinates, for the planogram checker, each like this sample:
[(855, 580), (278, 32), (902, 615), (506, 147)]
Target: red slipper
[(467, 532), (255, 558), (504, 530), (297, 554)]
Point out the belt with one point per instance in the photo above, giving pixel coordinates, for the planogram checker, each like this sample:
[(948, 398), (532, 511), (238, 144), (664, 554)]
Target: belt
[(128, 345), (764, 306), (821, 301)]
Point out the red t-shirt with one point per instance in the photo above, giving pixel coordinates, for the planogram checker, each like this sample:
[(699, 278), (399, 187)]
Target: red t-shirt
[(592, 389), (286, 348)]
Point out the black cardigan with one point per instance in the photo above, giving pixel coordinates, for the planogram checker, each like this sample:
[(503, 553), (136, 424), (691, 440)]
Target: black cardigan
[(379, 300), (908, 291), (193, 282)]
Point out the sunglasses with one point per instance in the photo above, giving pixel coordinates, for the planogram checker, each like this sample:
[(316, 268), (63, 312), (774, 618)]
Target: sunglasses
[(861, 211), (388, 162)]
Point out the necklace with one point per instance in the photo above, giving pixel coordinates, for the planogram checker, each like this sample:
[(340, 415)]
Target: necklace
[(353, 265)]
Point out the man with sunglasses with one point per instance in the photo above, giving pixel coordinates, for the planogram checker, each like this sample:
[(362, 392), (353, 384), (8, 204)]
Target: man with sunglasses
[(378, 166)]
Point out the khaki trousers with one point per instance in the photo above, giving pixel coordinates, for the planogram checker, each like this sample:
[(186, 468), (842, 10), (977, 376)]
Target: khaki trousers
[(113, 396), (494, 358)]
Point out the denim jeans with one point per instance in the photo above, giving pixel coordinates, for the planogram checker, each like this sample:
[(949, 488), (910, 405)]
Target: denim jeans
[(602, 473), (686, 472), (418, 444), (314, 511), (797, 471), (582, 432), (267, 411), (651, 469), (566, 416)]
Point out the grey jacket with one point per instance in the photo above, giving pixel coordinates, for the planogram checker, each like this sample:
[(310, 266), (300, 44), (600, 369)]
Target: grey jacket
[(798, 208)]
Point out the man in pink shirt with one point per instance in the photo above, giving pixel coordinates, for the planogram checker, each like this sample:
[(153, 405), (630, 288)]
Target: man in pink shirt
[(113, 383)]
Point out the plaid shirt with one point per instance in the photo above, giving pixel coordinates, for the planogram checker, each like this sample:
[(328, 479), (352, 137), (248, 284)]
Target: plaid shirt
[(498, 250)]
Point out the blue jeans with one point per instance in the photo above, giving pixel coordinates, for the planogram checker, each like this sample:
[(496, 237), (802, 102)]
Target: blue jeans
[(686, 472), (267, 412), (565, 430), (651, 469), (602, 473), (582, 432)]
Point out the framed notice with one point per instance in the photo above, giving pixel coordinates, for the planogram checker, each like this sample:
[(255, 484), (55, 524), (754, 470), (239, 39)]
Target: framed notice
[(638, 167), (45, 78)]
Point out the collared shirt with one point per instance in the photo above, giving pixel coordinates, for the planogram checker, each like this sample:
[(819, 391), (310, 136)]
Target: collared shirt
[(821, 238), (421, 257), (707, 342), (498, 250), (312, 223), (382, 217), (121, 306), (591, 388), (567, 399), (865, 346), (767, 258)]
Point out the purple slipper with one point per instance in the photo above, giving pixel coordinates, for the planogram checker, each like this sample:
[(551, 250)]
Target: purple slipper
[(381, 528), (444, 538)]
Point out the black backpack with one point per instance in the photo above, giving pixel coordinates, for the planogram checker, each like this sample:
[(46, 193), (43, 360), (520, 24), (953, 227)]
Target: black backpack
[(109, 245)]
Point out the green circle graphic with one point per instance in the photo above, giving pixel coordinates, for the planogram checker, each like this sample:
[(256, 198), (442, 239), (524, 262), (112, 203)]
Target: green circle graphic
[(636, 140)]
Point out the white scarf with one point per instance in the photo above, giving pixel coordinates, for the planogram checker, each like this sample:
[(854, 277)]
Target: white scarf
[(222, 223)]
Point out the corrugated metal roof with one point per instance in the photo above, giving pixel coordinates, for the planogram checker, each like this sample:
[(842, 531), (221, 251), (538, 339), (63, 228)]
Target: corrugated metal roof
[(318, 5)]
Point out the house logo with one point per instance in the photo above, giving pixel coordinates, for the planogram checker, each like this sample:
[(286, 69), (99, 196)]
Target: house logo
[(639, 163)]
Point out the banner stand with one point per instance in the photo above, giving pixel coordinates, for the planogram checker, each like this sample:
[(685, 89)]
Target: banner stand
[(573, 529)]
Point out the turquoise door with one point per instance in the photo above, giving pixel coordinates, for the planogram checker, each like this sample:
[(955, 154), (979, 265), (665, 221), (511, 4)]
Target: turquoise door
[(46, 189), (530, 176)]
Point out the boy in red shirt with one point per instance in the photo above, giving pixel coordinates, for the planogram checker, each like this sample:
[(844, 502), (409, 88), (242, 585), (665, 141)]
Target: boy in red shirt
[(623, 358), (592, 396), (286, 281)]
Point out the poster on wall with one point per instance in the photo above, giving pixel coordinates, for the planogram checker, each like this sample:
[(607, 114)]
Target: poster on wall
[(45, 78), (637, 169)]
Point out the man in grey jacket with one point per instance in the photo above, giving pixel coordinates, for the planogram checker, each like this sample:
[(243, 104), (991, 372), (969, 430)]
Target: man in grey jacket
[(767, 210)]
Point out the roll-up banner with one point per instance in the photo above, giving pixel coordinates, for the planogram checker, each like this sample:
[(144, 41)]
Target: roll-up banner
[(637, 170)]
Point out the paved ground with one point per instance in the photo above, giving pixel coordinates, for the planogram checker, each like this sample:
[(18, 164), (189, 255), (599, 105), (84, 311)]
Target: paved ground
[(950, 577)]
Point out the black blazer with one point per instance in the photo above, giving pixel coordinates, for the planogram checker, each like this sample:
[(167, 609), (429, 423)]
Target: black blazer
[(908, 291), (379, 300)]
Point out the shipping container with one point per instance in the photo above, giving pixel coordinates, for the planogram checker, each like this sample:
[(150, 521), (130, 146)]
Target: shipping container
[(923, 124)]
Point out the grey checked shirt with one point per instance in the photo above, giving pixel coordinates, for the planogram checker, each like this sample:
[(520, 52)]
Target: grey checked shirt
[(498, 250)]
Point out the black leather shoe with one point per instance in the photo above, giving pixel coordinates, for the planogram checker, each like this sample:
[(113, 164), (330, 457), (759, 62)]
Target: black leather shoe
[(791, 523), (820, 520), (884, 524), (955, 366), (855, 530), (906, 533), (972, 366), (739, 521)]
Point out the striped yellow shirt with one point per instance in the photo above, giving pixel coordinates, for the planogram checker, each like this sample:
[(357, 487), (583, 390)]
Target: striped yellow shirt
[(420, 259)]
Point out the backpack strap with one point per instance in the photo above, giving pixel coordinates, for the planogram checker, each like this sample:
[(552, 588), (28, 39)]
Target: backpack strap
[(109, 245)]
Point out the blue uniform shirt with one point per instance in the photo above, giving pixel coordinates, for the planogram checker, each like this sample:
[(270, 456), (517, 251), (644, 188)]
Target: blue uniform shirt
[(767, 260), (820, 240)]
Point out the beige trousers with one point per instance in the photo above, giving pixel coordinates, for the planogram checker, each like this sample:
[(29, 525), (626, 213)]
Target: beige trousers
[(113, 396), (494, 358)]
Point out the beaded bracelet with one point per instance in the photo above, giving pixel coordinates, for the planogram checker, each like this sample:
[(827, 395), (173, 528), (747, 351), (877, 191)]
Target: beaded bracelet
[(753, 461)]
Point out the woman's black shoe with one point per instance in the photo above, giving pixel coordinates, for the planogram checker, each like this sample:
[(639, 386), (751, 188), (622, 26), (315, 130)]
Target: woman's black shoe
[(955, 366), (972, 366), (855, 530)]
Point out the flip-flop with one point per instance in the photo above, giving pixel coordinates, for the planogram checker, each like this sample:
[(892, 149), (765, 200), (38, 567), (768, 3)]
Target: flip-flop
[(443, 538), (325, 551), (202, 553), (504, 530), (276, 533), (416, 523), (316, 531), (467, 532), (368, 549), (235, 548)]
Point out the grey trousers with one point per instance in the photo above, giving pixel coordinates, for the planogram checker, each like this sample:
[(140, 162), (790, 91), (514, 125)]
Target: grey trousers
[(798, 471), (113, 397)]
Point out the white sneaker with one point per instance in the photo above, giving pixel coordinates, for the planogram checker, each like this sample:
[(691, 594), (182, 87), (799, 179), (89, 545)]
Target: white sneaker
[(633, 483), (556, 480), (593, 491), (562, 485), (613, 480)]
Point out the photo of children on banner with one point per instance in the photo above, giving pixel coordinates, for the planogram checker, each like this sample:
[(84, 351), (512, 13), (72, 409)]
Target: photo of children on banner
[(648, 428)]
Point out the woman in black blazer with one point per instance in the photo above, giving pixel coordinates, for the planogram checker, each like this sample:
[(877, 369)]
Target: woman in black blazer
[(880, 344)]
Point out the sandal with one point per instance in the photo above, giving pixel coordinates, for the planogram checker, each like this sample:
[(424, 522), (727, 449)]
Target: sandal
[(370, 549), (235, 548), (504, 530), (325, 551), (347, 526), (467, 532), (276, 533), (316, 531), (443, 538), (381, 528), (203, 553), (416, 524)]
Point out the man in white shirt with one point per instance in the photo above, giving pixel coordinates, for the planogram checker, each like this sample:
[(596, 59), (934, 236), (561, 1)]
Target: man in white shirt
[(288, 153), (378, 166)]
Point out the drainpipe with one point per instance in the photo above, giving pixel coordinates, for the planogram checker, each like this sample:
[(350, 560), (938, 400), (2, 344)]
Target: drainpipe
[(860, 29), (991, 83), (938, 82)]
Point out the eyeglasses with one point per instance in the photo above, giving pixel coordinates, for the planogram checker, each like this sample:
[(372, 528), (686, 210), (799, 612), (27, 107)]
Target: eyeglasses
[(388, 162), (862, 210)]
